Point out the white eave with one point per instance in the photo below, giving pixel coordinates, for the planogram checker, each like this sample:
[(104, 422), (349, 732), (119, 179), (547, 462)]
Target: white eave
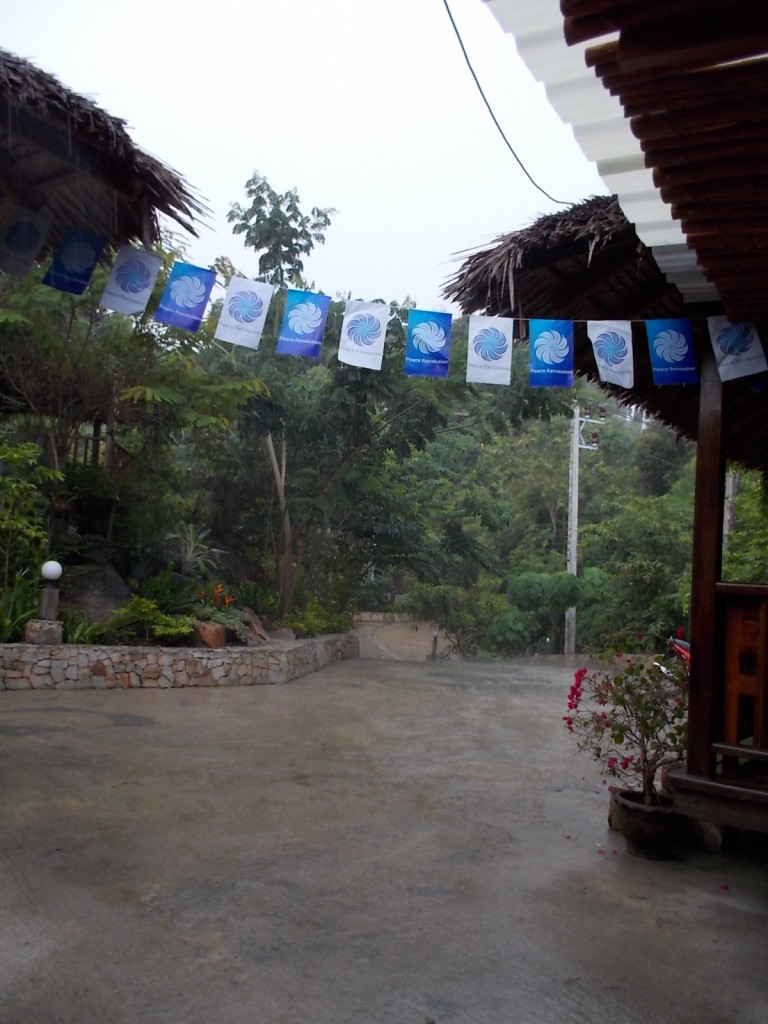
[(603, 135)]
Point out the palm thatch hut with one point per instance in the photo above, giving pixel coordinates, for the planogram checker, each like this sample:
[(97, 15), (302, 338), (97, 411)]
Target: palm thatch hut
[(63, 156), (587, 263)]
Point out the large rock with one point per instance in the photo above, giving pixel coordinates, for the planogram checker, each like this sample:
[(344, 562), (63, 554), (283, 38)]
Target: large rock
[(96, 591), (256, 633), (210, 634)]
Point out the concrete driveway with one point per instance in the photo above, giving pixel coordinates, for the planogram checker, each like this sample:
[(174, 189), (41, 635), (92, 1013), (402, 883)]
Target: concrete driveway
[(382, 842)]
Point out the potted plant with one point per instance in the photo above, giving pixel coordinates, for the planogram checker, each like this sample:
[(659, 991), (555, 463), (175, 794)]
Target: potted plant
[(632, 718)]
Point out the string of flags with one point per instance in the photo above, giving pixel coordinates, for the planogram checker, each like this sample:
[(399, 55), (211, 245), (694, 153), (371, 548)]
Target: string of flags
[(738, 348)]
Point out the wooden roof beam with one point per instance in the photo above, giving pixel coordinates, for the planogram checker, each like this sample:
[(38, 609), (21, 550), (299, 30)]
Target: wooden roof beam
[(726, 212), (692, 90), (724, 34), (589, 19), (702, 121), (726, 79), (736, 168), (670, 154), (712, 193)]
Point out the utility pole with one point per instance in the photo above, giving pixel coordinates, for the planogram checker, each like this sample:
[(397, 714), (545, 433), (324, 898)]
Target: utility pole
[(577, 442), (573, 526)]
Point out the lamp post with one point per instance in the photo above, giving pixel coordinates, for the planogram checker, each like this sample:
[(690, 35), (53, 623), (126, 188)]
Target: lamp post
[(49, 594), (47, 629), (569, 646)]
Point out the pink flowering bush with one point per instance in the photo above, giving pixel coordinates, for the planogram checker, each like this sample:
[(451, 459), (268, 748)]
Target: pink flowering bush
[(632, 718)]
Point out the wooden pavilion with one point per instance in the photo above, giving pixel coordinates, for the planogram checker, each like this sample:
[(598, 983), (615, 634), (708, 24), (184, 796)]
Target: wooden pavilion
[(690, 79)]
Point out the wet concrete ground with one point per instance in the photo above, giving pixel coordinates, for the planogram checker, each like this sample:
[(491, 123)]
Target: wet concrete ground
[(382, 842)]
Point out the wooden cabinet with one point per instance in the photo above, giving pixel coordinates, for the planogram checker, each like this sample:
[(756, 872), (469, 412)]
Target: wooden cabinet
[(746, 662), (743, 622)]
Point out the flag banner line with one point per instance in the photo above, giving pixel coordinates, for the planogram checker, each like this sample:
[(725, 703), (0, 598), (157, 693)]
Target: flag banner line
[(550, 359), (244, 312), (185, 296), (612, 348), (427, 343), (738, 348), (489, 350), (130, 284), (671, 349), (363, 331), (74, 261), (22, 236), (301, 333)]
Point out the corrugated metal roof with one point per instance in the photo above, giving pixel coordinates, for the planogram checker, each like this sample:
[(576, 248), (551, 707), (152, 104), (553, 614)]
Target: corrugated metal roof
[(603, 134)]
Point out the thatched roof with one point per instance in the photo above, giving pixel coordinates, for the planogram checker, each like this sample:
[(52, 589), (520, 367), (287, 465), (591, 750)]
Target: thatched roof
[(588, 263), (62, 155), (539, 270)]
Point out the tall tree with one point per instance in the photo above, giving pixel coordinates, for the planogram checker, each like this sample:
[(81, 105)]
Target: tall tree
[(328, 430), (274, 225)]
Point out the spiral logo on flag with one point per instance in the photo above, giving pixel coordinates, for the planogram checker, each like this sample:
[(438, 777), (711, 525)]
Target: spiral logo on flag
[(428, 337), (490, 344), (245, 307), (133, 276), (735, 339), (77, 256), (551, 347), (364, 329), (21, 236), (305, 318), (671, 346), (188, 291), (611, 348)]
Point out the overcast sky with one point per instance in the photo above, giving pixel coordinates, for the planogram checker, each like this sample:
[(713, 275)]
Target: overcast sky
[(362, 105)]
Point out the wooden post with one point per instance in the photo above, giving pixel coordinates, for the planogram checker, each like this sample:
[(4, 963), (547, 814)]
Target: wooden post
[(706, 684)]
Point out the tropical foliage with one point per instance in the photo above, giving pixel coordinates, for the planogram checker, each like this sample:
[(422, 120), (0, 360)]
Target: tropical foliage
[(310, 488)]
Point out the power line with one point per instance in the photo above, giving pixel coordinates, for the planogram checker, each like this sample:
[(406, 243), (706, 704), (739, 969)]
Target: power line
[(523, 168)]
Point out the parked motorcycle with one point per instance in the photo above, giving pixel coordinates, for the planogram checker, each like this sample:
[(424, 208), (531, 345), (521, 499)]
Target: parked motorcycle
[(676, 648)]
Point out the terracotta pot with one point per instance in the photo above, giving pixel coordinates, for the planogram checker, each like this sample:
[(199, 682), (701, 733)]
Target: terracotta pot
[(657, 832)]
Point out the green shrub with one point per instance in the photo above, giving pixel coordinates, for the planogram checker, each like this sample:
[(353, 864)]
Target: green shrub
[(316, 620), (172, 593), (141, 621), (250, 594), (76, 629), (23, 525), (18, 604), (234, 621)]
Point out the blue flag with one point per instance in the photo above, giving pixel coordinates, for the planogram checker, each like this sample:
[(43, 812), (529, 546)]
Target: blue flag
[(671, 347), (185, 297), (427, 344), (301, 333), (550, 353), (74, 261)]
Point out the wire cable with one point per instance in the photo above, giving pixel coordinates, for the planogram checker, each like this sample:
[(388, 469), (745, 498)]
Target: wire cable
[(523, 168)]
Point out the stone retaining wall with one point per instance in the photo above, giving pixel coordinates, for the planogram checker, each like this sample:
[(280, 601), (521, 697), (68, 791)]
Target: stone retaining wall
[(81, 666)]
